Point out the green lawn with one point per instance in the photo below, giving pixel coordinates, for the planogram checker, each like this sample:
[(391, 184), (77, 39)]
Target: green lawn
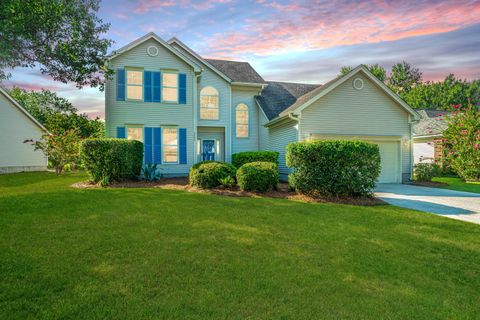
[(150, 253), (455, 183)]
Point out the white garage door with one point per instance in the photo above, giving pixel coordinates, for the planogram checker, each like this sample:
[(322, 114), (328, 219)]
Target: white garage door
[(390, 160)]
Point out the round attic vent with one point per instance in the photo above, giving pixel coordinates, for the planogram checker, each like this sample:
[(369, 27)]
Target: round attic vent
[(152, 51), (358, 84)]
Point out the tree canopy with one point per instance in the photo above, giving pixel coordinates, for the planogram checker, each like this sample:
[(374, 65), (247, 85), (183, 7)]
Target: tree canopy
[(62, 37)]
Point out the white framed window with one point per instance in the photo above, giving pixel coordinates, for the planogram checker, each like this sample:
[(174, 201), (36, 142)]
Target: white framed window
[(241, 120), (135, 133), (209, 104), (170, 86), (134, 84), (170, 145)]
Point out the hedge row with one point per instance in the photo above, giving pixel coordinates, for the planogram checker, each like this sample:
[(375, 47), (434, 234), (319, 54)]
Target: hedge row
[(334, 168), (108, 160), (239, 159)]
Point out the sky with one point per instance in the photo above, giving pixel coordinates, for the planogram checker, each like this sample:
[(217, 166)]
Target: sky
[(297, 41)]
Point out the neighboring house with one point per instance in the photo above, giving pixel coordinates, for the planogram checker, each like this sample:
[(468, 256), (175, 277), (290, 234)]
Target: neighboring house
[(186, 109), (17, 126), (427, 136)]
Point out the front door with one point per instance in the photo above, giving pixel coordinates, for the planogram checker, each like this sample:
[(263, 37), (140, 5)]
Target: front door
[(208, 148)]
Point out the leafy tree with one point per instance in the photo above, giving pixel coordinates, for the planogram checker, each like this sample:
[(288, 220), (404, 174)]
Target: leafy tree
[(63, 36), (61, 148), (404, 78), (376, 69), (442, 95), (462, 141), (57, 114)]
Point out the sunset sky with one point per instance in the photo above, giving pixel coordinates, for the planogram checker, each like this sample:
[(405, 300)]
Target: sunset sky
[(298, 41)]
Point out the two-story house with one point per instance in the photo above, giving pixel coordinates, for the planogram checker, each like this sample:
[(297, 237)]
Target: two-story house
[(186, 109)]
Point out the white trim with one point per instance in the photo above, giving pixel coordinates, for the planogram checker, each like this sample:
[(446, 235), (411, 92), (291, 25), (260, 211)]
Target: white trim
[(249, 84), (148, 36), (339, 81), (16, 104), (193, 53)]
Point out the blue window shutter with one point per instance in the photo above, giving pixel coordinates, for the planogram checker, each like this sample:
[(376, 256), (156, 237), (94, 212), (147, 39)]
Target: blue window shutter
[(147, 141), (157, 145), (156, 87), (182, 133), (182, 88), (121, 84), (147, 86), (121, 132)]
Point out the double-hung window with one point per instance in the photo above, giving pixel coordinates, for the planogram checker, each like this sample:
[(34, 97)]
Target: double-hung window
[(170, 86), (135, 133), (134, 84), (170, 145)]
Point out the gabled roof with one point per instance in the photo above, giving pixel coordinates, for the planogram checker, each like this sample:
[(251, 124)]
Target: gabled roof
[(152, 35), (196, 55), (312, 96), (238, 71), (278, 96), (25, 112)]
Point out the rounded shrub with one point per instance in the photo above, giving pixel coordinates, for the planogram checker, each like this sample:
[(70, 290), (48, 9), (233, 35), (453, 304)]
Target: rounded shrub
[(239, 159), (334, 167), (210, 174), (108, 160), (257, 176), (426, 171)]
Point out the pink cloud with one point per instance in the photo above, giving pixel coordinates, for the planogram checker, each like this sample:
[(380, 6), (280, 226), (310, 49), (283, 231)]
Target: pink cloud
[(145, 6), (314, 25)]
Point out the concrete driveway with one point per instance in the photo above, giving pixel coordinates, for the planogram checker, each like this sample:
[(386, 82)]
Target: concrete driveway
[(449, 203)]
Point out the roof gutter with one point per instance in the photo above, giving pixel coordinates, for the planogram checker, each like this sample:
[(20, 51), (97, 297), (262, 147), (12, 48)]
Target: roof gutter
[(248, 84), (282, 118)]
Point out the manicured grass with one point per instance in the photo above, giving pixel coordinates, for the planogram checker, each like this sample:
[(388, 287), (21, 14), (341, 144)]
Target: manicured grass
[(150, 253), (455, 183)]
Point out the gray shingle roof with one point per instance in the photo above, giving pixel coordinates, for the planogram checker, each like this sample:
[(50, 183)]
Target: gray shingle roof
[(278, 96), (237, 71), (432, 122)]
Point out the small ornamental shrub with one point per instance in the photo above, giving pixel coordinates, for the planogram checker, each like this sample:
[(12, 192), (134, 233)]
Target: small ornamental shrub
[(227, 182), (108, 160), (426, 171), (210, 174), (334, 168), (239, 159), (462, 141), (258, 176), (198, 164), (151, 172)]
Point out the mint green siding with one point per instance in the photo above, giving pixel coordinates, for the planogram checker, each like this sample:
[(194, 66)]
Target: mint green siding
[(152, 114), (368, 112), (15, 128), (263, 133), (280, 136), (245, 96)]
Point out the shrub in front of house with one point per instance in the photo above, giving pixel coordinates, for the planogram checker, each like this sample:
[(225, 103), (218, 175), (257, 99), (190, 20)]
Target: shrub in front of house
[(239, 159), (260, 176), (334, 167), (108, 160), (210, 174), (426, 171)]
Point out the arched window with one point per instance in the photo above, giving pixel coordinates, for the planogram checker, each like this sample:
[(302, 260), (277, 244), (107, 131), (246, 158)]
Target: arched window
[(209, 103), (241, 121)]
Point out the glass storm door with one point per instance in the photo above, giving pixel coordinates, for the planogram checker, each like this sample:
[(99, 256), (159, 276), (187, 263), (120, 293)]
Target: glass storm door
[(208, 150)]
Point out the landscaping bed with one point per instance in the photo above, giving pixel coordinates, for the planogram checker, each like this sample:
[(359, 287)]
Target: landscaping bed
[(283, 191)]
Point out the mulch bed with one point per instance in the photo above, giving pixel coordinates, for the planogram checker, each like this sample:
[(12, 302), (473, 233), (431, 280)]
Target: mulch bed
[(432, 184), (283, 191)]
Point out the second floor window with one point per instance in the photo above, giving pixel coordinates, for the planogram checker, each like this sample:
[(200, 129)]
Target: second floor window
[(170, 87), (241, 121), (134, 84), (209, 103)]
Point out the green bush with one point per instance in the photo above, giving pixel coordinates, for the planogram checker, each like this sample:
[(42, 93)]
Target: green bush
[(209, 175), (258, 176), (109, 160), (198, 164), (426, 171), (239, 159), (334, 168)]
